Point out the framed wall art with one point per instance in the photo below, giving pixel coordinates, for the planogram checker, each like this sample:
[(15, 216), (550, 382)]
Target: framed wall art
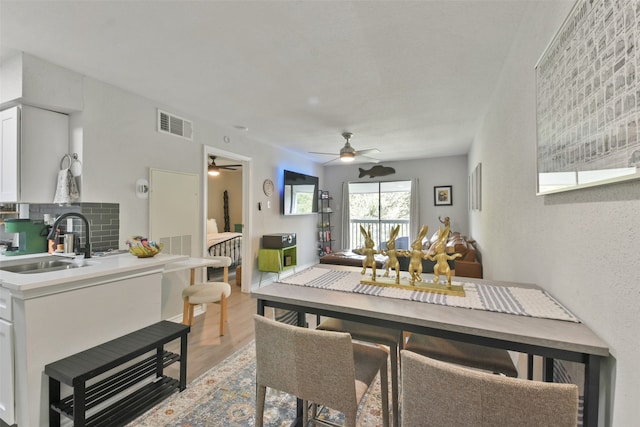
[(475, 188), (469, 193), (588, 98), (442, 195)]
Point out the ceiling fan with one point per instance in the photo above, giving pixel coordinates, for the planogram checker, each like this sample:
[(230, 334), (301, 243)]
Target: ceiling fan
[(214, 170), (349, 154)]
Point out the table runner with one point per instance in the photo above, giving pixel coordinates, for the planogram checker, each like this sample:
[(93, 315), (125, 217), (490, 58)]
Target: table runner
[(501, 299)]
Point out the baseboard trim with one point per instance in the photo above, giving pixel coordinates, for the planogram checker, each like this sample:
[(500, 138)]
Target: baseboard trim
[(197, 310), (274, 277)]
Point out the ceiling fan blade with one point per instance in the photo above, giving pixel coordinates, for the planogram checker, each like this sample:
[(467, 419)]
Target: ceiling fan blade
[(367, 151), (231, 167), (367, 159), (332, 161), (316, 152)]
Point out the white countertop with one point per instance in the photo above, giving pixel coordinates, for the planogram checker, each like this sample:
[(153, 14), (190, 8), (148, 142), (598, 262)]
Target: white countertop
[(37, 284), (193, 263)]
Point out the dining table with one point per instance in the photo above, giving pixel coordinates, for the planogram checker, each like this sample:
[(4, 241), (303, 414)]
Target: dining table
[(550, 338)]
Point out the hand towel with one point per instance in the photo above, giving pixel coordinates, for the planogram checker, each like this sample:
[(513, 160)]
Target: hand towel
[(66, 190)]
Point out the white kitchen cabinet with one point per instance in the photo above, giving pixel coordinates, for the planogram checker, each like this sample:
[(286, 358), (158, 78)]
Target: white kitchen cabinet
[(7, 403), (9, 135), (7, 366), (59, 313), (32, 143)]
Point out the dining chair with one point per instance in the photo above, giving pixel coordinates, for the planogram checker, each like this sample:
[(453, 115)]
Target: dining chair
[(376, 335), (320, 367), (474, 356), (436, 393)]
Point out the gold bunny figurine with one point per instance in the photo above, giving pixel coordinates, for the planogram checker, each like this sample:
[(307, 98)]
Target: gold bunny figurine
[(446, 221), (416, 254), (441, 258), (392, 261), (368, 252)]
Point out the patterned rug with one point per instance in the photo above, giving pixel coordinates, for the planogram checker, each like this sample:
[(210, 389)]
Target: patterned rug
[(225, 397)]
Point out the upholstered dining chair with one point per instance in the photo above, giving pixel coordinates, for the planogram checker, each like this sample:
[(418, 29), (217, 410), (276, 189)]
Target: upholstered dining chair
[(376, 335), (320, 367), (474, 356), (436, 393)]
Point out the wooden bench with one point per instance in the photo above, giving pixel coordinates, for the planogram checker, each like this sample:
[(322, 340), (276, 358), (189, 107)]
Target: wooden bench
[(123, 402)]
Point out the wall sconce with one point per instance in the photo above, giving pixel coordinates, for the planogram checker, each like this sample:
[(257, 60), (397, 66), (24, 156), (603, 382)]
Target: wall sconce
[(142, 189)]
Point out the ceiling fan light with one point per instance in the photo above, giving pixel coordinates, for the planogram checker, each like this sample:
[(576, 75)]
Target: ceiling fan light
[(347, 153), (347, 156), (214, 170)]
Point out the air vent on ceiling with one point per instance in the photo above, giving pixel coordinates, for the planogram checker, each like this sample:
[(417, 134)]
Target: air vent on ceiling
[(170, 123)]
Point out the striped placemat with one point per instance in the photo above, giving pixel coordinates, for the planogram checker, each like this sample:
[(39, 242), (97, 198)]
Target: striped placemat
[(501, 299)]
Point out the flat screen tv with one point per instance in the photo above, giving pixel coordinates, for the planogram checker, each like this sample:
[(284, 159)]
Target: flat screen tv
[(300, 194)]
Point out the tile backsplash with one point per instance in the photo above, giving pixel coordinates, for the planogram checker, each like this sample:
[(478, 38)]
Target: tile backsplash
[(104, 220)]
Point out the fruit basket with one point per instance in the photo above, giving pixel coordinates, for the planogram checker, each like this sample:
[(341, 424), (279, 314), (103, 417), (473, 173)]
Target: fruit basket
[(143, 247)]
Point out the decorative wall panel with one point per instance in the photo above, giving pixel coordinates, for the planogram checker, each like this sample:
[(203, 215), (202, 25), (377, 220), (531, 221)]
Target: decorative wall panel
[(588, 98)]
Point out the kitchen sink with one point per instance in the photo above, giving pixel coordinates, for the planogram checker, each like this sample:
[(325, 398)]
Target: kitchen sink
[(40, 265)]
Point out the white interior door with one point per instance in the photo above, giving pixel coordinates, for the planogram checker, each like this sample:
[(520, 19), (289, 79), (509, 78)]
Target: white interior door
[(173, 220), (174, 211)]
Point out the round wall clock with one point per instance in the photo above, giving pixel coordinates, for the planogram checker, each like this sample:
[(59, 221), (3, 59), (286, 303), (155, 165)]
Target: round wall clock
[(267, 187)]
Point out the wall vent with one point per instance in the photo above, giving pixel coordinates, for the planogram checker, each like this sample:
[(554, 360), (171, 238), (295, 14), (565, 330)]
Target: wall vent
[(170, 123)]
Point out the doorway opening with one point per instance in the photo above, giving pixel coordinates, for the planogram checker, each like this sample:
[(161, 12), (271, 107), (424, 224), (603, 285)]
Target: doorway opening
[(225, 211)]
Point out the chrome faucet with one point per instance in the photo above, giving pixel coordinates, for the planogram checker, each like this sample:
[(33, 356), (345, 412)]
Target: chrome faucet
[(53, 234)]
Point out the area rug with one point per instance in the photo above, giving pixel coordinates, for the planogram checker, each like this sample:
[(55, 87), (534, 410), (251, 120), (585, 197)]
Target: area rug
[(225, 397)]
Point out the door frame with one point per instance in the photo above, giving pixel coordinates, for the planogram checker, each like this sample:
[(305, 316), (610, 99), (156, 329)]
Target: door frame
[(247, 272)]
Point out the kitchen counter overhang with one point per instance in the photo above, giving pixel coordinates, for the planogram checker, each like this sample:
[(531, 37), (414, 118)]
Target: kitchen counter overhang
[(98, 271)]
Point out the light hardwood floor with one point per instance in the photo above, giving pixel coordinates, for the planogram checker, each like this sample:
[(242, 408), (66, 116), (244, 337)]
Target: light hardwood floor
[(206, 348)]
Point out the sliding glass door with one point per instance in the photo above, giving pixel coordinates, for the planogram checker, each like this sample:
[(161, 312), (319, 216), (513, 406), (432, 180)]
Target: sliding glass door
[(379, 206)]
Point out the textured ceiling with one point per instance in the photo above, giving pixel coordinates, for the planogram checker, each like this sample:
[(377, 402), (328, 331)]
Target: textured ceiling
[(411, 78)]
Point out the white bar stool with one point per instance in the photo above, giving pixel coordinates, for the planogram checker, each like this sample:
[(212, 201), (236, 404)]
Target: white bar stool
[(208, 292), (205, 293)]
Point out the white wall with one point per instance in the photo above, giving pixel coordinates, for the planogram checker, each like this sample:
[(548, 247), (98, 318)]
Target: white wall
[(270, 219), (11, 81), (29, 80), (120, 144), (430, 173), (582, 246), (114, 133)]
